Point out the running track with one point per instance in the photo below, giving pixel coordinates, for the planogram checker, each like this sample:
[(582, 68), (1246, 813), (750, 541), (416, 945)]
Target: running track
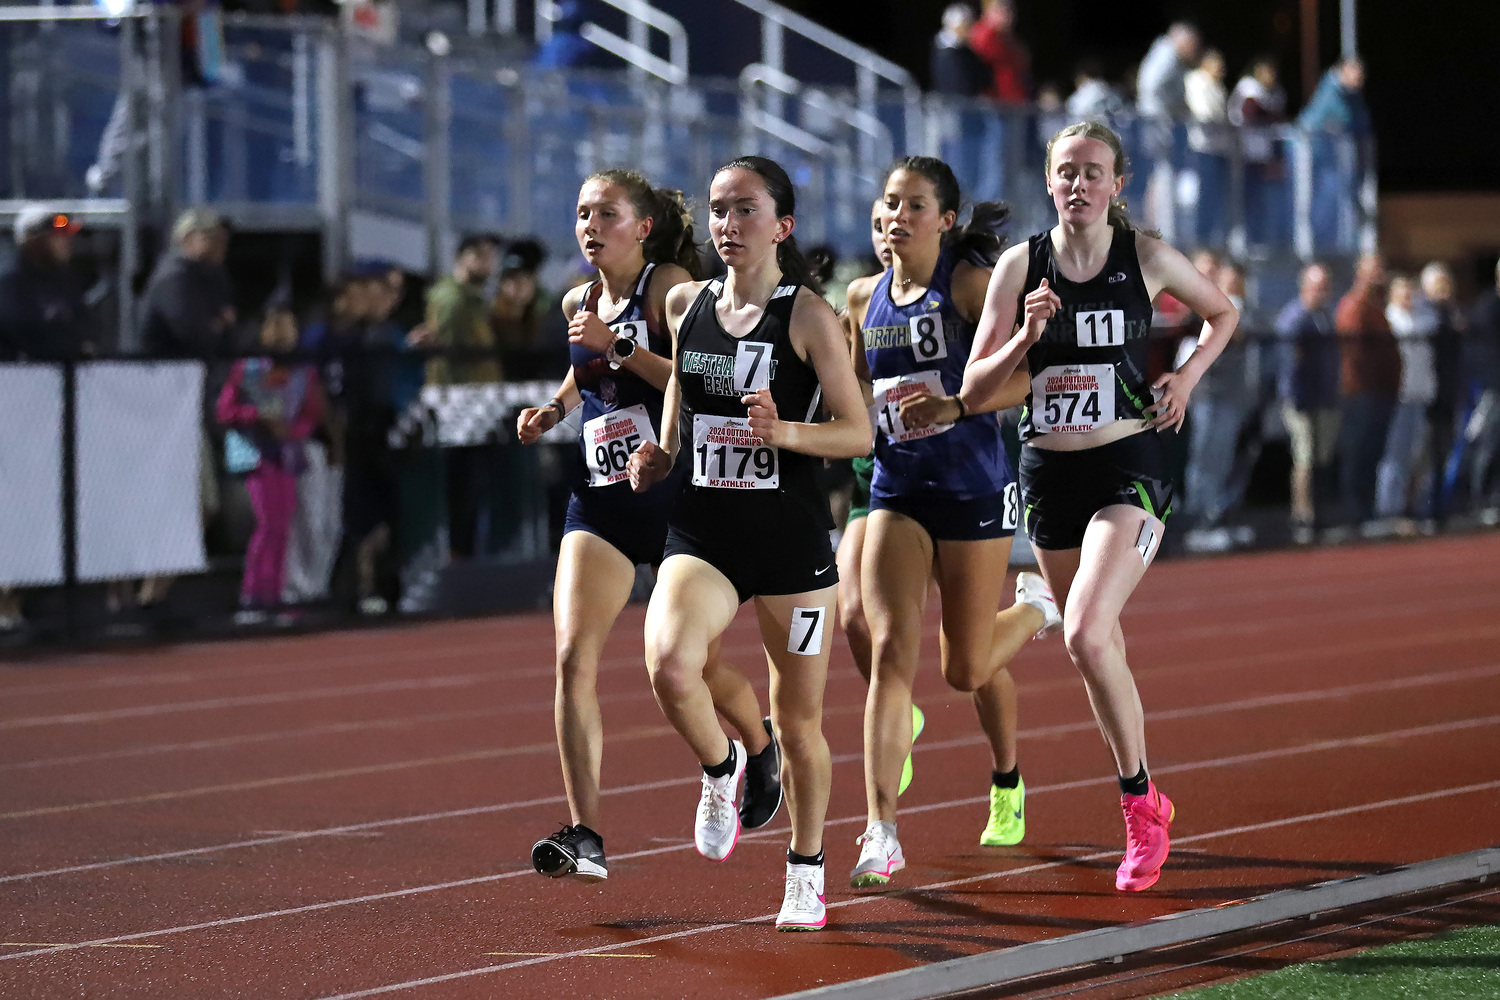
[(350, 814)]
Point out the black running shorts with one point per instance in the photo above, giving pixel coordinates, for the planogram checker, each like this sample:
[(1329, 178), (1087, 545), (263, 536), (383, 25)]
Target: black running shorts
[(949, 519), (1061, 491), (764, 545)]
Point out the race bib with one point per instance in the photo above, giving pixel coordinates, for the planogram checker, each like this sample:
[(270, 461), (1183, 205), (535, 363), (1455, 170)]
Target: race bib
[(889, 392), (609, 439), (727, 456), (1012, 516), (1101, 328), (752, 366), (1072, 399), (927, 343), (632, 330)]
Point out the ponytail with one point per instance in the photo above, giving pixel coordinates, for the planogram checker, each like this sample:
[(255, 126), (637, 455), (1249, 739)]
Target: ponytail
[(980, 240), (671, 238)]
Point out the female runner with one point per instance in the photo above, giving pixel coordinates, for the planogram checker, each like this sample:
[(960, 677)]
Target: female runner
[(753, 352), (641, 240), (1075, 302), (942, 503)]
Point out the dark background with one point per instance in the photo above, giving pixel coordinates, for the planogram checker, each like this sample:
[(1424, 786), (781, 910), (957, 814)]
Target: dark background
[(1433, 68)]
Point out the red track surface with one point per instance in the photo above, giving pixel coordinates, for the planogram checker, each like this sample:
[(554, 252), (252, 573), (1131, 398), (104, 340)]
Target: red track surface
[(339, 814)]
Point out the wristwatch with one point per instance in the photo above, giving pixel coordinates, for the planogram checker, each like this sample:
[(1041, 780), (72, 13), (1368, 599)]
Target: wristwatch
[(619, 350)]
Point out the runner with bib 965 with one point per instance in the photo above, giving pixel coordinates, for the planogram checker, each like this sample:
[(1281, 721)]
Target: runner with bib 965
[(641, 240), (754, 351), (1075, 303), (943, 501)]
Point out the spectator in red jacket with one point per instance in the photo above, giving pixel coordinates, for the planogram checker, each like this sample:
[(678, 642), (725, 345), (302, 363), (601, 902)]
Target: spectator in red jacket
[(1371, 379), (993, 39)]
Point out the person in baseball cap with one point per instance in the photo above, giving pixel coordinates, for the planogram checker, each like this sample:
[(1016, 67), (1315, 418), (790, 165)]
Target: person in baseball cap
[(37, 220), (42, 311)]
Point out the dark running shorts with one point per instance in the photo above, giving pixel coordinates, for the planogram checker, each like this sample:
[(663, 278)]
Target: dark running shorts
[(634, 523), (859, 503), (764, 548), (1061, 491), (948, 519)]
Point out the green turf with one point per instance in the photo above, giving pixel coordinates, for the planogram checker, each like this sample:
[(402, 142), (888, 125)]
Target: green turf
[(1455, 966)]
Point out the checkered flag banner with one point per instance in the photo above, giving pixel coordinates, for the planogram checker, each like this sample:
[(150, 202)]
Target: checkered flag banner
[(455, 416)]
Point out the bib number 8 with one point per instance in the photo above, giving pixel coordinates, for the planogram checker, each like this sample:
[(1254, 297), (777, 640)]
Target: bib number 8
[(927, 343), (1012, 515)]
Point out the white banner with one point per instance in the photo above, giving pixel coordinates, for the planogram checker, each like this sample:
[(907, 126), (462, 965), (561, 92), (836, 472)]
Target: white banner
[(139, 439), (31, 541)]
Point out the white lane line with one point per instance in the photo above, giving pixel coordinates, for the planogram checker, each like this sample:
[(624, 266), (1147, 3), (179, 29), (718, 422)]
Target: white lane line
[(1416, 640), (672, 847), (1144, 607), (865, 900), (328, 729), (1196, 711)]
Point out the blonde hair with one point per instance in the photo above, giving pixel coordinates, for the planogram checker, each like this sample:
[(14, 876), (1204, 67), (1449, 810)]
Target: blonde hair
[(1094, 130)]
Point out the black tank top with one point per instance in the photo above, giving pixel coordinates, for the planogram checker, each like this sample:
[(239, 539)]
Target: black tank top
[(714, 370), (1089, 368)]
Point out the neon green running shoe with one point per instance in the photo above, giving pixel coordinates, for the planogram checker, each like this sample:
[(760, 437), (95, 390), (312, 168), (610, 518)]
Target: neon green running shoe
[(918, 721), (1007, 823)]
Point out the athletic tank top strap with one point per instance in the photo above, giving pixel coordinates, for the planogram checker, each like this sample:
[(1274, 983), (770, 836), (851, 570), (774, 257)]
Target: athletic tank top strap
[(1089, 368)]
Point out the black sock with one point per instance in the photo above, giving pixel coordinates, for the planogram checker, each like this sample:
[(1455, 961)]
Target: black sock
[(1010, 779), (793, 858), (763, 751), (1137, 785), (722, 770)]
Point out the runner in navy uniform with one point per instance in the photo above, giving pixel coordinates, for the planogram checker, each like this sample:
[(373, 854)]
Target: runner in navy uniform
[(942, 501), (641, 240), (1075, 302), (753, 353)]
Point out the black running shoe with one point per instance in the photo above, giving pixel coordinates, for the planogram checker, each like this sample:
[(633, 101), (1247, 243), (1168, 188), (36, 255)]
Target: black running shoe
[(573, 850), (762, 795)]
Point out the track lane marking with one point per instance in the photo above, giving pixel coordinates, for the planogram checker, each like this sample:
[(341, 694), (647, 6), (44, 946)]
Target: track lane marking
[(442, 682), (843, 821), (490, 753)]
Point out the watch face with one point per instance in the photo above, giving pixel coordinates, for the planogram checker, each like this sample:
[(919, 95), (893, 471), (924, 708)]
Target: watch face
[(624, 347)]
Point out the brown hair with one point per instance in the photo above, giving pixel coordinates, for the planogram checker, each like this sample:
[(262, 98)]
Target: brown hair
[(1094, 130), (794, 266), (671, 238), (978, 241)]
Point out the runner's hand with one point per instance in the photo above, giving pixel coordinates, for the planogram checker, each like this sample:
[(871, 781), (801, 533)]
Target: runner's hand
[(648, 466), (587, 330), (1040, 306), (764, 422), (1171, 392), (535, 421), (924, 409)]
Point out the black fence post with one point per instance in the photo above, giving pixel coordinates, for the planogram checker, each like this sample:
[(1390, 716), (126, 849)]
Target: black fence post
[(70, 498)]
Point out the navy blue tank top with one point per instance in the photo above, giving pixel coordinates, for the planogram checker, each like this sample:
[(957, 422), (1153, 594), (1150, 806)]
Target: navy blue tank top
[(925, 345), (1089, 368), (714, 370), (618, 405)]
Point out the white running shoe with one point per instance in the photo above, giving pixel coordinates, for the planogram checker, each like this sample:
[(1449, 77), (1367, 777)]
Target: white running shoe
[(1032, 589), (717, 827), (804, 907), (879, 858)]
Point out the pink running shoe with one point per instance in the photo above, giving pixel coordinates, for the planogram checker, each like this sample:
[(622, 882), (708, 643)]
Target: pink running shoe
[(1146, 820)]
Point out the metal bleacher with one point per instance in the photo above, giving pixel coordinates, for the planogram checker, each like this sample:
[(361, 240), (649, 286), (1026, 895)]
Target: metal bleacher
[(395, 148)]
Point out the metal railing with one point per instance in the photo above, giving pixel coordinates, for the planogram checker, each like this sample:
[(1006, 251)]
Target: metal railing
[(641, 17)]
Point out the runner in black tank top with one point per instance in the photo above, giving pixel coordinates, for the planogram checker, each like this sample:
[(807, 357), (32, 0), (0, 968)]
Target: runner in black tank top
[(637, 237), (752, 354), (1092, 485)]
